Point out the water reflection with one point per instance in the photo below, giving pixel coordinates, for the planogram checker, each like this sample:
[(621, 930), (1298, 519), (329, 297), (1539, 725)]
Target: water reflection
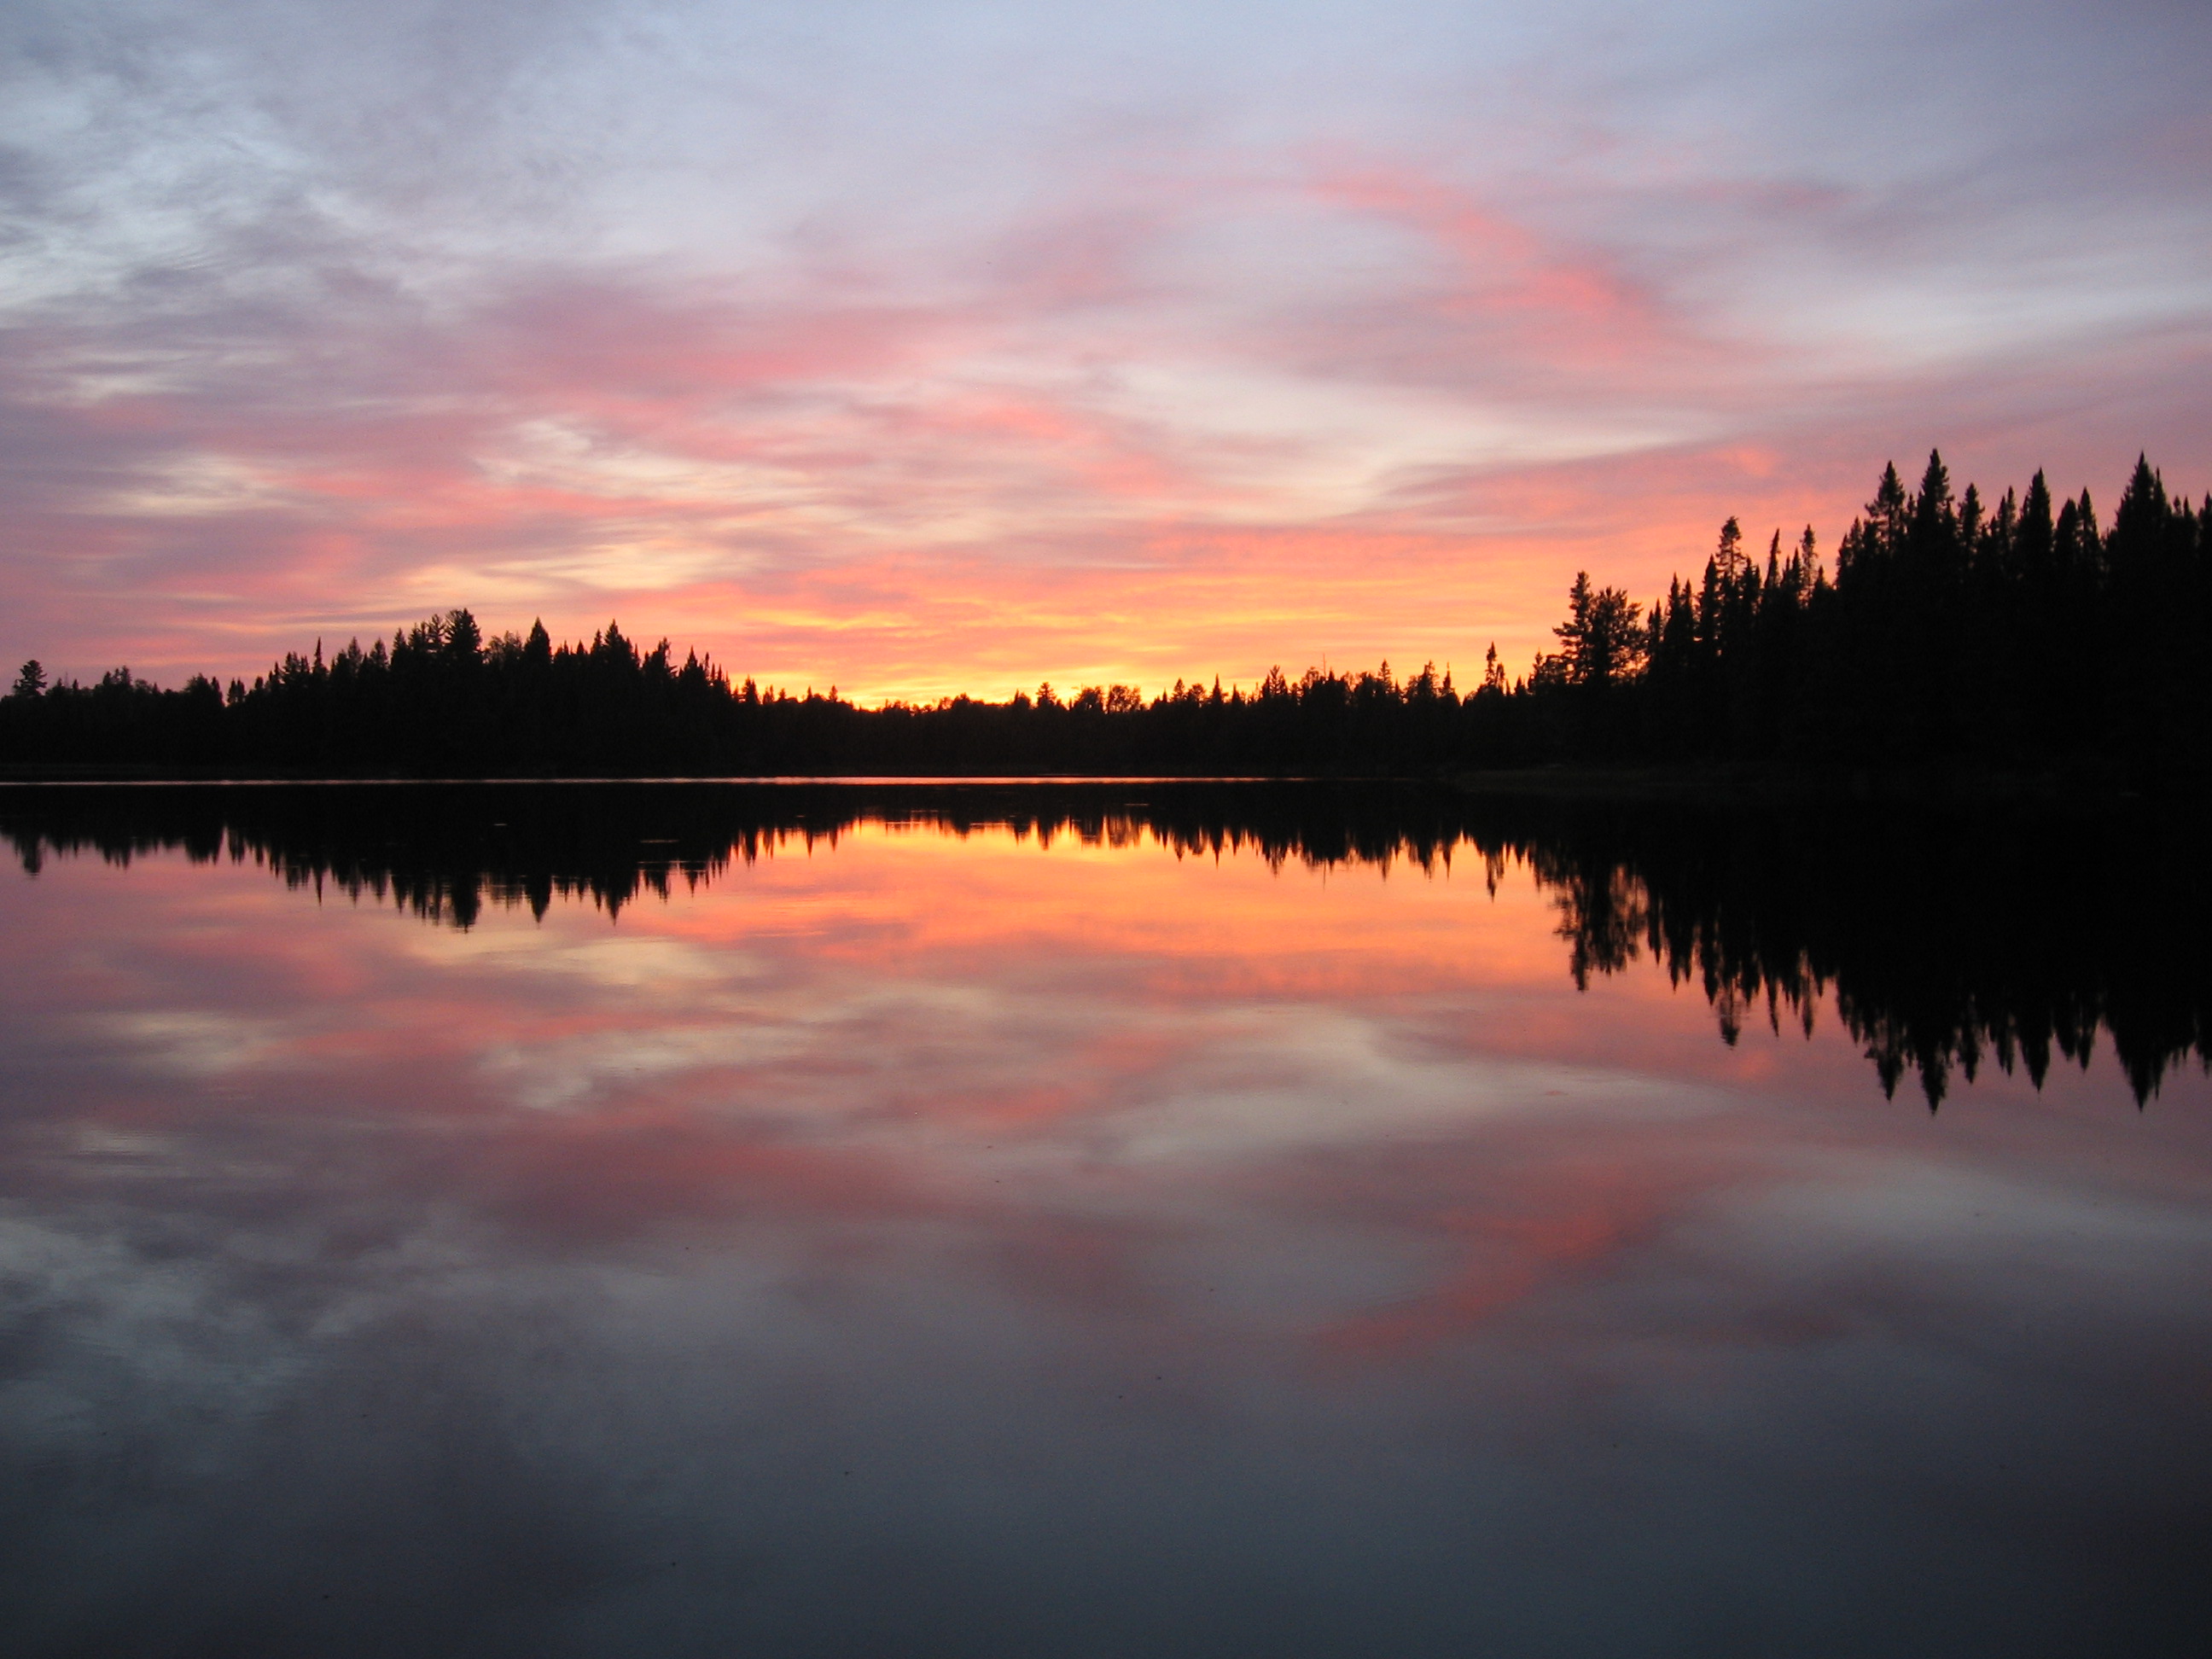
[(1946, 941), (813, 1222)]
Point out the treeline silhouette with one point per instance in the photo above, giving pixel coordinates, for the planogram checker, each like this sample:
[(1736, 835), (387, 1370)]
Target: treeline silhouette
[(1950, 632), (1951, 629), (1944, 942)]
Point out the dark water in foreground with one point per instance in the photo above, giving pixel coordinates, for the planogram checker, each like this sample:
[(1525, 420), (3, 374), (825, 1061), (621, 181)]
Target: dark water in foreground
[(1139, 1219)]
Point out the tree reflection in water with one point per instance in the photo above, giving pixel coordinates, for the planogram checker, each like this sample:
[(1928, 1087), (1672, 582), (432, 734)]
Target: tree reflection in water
[(1945, 939)]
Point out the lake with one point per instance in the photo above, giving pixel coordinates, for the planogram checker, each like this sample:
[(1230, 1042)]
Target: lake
[(1125, 1218)]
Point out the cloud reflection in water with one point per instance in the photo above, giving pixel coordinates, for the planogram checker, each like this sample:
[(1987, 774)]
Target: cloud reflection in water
[(957, 1243)]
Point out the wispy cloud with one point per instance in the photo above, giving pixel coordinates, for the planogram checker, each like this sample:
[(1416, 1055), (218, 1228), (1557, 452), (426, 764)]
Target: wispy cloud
[(956, 345)]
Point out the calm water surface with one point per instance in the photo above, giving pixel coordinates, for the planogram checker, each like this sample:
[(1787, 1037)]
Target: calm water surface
[(984, 1224)]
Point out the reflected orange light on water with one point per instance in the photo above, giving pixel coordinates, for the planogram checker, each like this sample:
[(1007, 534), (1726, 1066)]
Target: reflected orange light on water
[(1094, 1068)]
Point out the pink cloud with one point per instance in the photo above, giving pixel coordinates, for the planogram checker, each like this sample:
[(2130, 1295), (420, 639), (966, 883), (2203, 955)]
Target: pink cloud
[(914, 497)]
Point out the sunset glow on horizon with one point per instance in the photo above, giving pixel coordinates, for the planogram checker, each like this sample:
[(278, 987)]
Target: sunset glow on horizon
[(954, 348)]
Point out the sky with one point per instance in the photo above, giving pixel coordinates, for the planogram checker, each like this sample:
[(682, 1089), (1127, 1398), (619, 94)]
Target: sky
[(926, 348)]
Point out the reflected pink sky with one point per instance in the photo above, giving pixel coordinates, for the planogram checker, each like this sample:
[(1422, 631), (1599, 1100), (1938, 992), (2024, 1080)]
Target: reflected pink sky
[(935, 1242), (1102, 1066)]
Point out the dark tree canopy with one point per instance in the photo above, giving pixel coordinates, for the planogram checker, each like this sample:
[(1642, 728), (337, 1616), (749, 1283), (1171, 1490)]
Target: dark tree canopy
[(1950, 632)]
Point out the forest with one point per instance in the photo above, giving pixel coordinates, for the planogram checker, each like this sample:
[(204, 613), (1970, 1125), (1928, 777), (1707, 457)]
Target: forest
[(1950, 632)]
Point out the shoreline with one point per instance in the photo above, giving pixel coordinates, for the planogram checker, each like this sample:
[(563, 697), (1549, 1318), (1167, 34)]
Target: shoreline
[(1720, 785)]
